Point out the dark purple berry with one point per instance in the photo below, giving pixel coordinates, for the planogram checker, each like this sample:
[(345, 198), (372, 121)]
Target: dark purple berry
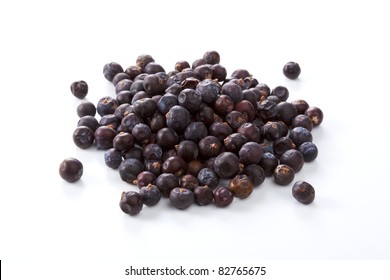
[(166, 182), (291, 70), (104, 137), (223, 197), (113, 158), (255, 173), (250, 153), (300, 135), (86, 108), (309, 151), (150, 195), (111, 69), (83, 137), (283, 175), (131, 202), (315, 114), (129, 169), (144, 178), (207, 177), (71, 170), (227, 165), (303, 192), (79, 89), (292, 158), (203, 195), (181, 198)]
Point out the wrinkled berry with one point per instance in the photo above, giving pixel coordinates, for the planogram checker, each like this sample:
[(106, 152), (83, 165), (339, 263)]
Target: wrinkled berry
[(131, 202), (71, 170), (303, 192), (79, 89)]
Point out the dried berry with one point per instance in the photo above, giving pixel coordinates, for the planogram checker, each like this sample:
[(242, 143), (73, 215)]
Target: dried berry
[(303, 192), (131, 202), (71, 170), (291, 70), (241, 186), (181, 198), (203, 195), (223, 197), (283, 175), (79, 89), (150, 195)]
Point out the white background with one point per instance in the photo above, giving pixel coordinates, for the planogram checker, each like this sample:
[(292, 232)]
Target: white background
[(343, 50)]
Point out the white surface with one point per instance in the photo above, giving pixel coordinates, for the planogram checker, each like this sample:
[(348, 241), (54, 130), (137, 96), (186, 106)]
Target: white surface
[(344, 55)]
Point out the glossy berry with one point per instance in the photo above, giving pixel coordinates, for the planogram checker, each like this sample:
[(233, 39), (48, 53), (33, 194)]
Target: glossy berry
[(150, 195), (175, 165), (79, 89), (315, 114), (223, 105), (123, 141), (181, 198), (291, 70), (131, 202), (283, 175), (241, 186), (203, 195), (309, 151), (223, 197), (104, 136), (303, 192), (71, 170)]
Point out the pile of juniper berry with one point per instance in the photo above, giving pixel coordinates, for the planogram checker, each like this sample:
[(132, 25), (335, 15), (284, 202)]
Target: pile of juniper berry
[(180, 134)]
